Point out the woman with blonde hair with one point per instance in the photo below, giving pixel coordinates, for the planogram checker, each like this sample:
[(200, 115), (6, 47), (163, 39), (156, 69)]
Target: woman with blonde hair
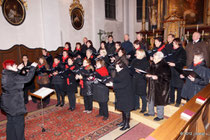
[(43, 78), (139, 79)]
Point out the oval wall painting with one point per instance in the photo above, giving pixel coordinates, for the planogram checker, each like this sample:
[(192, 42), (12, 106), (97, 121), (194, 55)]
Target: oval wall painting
[(14, 11), (77, 18)]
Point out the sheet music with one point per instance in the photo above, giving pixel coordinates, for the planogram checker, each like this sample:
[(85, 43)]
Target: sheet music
[(188, 69), (43, 92), (141, 71)]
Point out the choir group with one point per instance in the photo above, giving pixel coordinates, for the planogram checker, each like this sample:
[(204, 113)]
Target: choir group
[(132, 70)]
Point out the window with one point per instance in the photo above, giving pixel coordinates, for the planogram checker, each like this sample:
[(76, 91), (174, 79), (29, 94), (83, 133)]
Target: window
[(139, 5), (110, 9)]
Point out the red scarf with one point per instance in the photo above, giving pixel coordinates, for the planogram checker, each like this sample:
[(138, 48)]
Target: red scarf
[(40, 66), (139, 47), (65, 49), (197, 63), (64, 58), (87, 67), (78, 49), (55, 65), (161, 48), (71, 68), (81, 82), (102, 71), (90, 57)]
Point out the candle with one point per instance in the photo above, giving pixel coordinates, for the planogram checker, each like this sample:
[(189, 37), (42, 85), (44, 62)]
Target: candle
[(188, 33), (202, 32), (153, 30), (146, 36), (156, 34), (197, 27)]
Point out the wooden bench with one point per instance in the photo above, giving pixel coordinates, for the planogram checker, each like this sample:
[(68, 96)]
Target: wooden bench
[(197, 128)]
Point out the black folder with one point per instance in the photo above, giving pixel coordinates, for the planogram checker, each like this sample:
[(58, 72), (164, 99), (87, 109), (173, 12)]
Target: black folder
[(187, 72)]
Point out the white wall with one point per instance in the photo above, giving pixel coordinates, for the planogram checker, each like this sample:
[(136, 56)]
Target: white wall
[(48, 24), (29, 33), (67, 31)]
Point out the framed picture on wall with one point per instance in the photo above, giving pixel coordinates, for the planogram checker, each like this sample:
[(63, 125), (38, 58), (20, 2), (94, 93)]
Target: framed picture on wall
[(192, 11), (77, 18), (14, 11)]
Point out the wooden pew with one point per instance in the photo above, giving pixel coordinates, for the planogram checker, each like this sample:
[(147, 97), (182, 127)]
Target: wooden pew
[(197, 128)]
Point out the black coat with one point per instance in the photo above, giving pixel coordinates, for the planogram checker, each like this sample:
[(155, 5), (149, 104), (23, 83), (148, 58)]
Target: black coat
[(58, 79), (83, 50), (155, 49), (158, 90), (110, 48), (49, 59), (86, 84), (169, 48), (70, 81), (122, 85), (78, 53), (139, 80), (64, 61), (100, 90), (24, 71), (93, 50), (12, 100), (179, 58), (92, 60), (192, 88)]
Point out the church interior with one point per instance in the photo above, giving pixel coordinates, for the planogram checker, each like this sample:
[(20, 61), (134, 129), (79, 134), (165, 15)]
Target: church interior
[(30, 26)]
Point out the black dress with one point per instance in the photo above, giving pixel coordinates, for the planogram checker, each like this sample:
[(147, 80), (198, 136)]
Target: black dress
[(139, 81), (71, 85), (30, 86), (58, 81), (86, 87), (122, 85), (100, 91), (179, 58)]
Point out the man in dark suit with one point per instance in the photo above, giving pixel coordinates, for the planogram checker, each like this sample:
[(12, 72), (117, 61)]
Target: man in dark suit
[(169, 45), (128, 46), (110, 45), (197, 46), (143, 42), (84, 47)]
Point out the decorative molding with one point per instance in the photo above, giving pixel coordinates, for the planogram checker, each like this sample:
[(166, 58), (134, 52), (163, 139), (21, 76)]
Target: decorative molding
[(23, 1), (76, 4), (25, 4)]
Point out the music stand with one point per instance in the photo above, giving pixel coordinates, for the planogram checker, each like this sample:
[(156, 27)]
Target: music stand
[(41, 94)]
